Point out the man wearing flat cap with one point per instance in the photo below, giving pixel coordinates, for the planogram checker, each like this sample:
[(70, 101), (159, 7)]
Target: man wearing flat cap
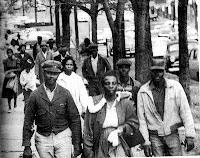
[(162, 108), (42, 56), (63, 53), (93, 68), (54, 112), (127, 84)]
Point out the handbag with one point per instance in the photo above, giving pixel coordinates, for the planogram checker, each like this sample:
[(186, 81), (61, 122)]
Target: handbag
[(133, 139)]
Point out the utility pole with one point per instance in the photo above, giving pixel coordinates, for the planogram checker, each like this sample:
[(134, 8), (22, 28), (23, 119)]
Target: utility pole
[(35, 11), (76, 28), (50, 11), (23, 12), (57, 22)]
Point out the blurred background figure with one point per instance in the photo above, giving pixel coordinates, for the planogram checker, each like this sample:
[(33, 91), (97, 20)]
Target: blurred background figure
[(52, 47), (13, 45), (37, 47), (28, 81), (93, 68), (10, 84), (83, 48), (41, 57), (63, 53)]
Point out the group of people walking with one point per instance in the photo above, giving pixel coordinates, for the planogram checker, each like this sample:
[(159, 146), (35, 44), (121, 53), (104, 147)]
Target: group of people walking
[(74, 119)]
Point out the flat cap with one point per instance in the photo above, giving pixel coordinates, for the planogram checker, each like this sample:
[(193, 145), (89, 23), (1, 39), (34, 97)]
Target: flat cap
[(123, 61), (93, 46), (158, 64), (52, 65)]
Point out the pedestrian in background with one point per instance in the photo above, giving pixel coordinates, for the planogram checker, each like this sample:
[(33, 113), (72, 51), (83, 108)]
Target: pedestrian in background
[(163, 108), (93, 68), (10, 83), (13, 45), (84, 47), (56, 117), (102, 129), (23, 56), (127, 84), (28, 81), (52, 48), (41, 57), (74, 83), (37, 47), (63, 53)]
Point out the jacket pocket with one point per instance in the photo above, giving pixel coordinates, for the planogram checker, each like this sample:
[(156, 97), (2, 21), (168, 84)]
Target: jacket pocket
[(41, 112), (61, 111)]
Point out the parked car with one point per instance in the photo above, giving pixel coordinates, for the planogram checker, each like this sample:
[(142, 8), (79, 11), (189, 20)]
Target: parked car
[(100, 37), (194, 64), (82, 16), (172, 55)]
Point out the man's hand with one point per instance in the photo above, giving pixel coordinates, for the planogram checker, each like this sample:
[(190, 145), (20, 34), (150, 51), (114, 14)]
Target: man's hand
[(189, 143), (27, 152), (147, 150), (77, 150)]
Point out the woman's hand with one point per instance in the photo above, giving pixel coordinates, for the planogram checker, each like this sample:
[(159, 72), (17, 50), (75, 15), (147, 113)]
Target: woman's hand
[(120, 130)]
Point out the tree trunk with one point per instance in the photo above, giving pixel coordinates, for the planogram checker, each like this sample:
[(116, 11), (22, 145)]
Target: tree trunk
[(65, 12), (57, 20), (184, 76), (117, 30), (143, 45), (94, 14)]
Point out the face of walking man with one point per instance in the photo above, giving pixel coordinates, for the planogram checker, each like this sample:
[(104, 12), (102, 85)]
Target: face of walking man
[(157, 76), (50, 77)]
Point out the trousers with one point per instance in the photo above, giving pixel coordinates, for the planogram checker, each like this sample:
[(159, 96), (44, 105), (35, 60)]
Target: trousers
[(166, 145), (54, 146)]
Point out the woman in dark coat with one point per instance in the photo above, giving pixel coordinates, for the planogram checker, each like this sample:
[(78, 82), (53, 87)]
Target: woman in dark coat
[(102, 129), (10, 84)]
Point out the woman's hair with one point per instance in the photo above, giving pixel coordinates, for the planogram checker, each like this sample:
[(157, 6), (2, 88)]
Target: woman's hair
[(108, 73), (8, 50), (73, 61)]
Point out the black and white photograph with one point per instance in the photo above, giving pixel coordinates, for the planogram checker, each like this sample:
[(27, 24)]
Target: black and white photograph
[(99, 78)]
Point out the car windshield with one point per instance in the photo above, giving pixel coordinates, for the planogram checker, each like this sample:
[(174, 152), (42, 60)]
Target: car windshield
[(175, 47)]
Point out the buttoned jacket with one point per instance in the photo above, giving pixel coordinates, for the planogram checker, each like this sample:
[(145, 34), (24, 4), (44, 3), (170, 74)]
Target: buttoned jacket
[(51, 116), (88, 72), (176, 111)]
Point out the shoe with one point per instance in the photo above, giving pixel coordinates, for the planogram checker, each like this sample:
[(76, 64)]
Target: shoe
[(9, 111)]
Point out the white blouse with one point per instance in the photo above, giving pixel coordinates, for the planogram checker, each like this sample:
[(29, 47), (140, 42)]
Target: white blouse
[(111, 119)]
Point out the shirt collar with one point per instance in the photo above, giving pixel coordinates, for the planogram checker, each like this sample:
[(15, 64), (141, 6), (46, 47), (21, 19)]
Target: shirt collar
[(152, 86), (95, 58), (128, 83), (47, 89)]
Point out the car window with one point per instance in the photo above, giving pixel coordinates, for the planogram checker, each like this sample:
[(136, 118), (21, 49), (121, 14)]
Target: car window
[(193, 54), (175, 47)]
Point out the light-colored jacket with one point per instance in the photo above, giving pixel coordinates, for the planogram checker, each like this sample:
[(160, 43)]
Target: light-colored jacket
[(76, 87), (176, 111)]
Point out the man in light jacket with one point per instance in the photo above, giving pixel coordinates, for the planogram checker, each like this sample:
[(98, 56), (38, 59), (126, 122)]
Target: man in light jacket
[(162, 108)]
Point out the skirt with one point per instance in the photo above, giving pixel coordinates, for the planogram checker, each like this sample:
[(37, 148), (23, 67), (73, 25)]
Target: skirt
[(7, 92)]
